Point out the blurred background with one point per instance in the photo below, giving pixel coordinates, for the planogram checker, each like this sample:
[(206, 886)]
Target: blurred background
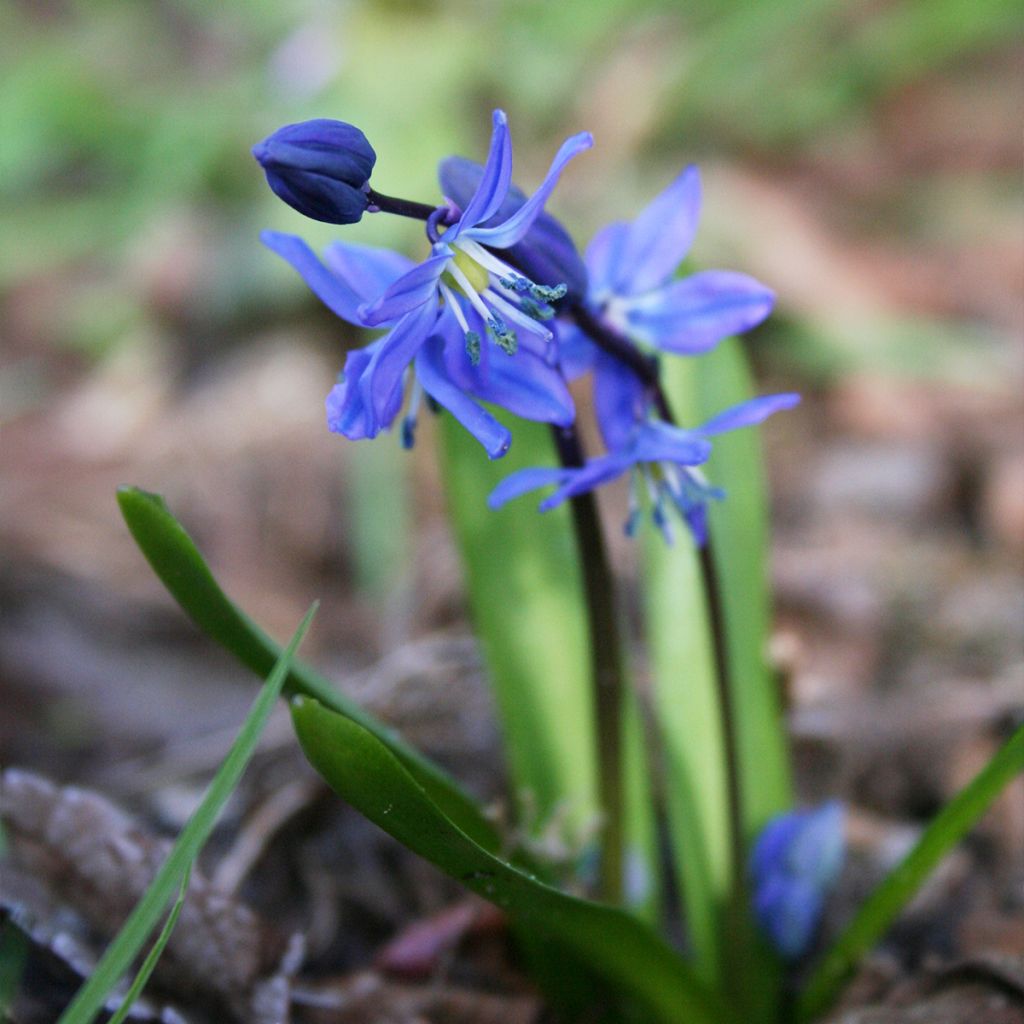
[(863, 159)]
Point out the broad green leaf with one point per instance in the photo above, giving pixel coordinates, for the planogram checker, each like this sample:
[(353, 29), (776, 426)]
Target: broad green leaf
[(698, 389), (688, 720), (142, 920), (738, 525), (882, 907), (526, 598), (624, 950), (525, 594), (179, 565)]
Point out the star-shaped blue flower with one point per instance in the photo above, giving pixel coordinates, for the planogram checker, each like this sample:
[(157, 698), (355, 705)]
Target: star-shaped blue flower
[(472, 324), (662, 457), (634, 288)]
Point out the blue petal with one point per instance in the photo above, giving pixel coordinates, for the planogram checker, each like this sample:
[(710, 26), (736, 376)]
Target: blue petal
[(328, 288), (494, 182), (392, 354), (660, 237), (367, 270), (546, 254), (525, 383), (693, 314), (525, 480), (620, 403), (512, 230), (748, 413), (576, 351), (481, 424), (817, 852), (347, 413), (658, 441), (604, 258), (769, 854), (593, 474), (416, 288)]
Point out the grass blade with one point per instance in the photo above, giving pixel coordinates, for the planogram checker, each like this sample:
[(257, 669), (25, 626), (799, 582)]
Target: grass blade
[(875, 916), (179, 565), (142, 920), (154, 954)]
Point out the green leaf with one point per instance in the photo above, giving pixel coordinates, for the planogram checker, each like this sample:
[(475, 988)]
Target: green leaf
[(144, 972), (526, 597), (698, 389), (611, 942), (738, 527), (875, 916), (176, 560), (687, 715), (129, 940), (525, 594)]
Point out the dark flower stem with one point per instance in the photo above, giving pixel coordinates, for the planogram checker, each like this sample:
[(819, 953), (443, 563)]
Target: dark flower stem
[(401, 207), (646, 369), (606, 668)]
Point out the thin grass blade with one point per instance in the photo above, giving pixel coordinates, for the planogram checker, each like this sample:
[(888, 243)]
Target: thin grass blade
[(875, 916), (143, 919)]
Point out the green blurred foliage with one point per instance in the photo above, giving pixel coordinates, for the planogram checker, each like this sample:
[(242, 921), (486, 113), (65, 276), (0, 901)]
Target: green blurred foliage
[(119, 119)]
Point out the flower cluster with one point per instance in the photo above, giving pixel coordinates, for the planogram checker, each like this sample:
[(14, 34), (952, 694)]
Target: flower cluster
[(503, 310)]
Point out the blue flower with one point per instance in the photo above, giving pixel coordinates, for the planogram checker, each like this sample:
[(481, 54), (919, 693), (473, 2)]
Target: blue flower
[(460, 315), (662, 457), (794, 865), (371, 392), (320, 168), (633, 287)]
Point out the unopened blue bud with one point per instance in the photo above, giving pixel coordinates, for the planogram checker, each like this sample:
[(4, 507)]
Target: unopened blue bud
[(320, 168)]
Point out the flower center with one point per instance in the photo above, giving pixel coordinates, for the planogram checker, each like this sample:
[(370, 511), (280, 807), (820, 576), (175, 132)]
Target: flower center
[(477, 275)]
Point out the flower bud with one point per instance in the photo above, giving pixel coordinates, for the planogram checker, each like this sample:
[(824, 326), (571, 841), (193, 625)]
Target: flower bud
[(320, 168), (546, 254), (795, 863)]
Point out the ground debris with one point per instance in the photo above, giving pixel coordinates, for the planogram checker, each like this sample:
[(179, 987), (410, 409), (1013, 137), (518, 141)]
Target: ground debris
[(368, 996), (85, 858)]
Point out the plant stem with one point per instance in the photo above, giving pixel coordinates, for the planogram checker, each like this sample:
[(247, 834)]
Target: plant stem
[(401, 207), (607, 676)]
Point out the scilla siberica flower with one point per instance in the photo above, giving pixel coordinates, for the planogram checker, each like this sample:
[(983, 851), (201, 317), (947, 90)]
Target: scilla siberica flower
[(471, 323), (633, 293), (794, 865)]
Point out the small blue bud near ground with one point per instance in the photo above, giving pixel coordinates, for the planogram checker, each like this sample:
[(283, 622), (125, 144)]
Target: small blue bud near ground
[(320, 168), (794, 865)]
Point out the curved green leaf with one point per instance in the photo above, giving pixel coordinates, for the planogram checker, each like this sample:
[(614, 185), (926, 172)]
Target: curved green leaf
[(179, 565), (360, 768), (875, 916)]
